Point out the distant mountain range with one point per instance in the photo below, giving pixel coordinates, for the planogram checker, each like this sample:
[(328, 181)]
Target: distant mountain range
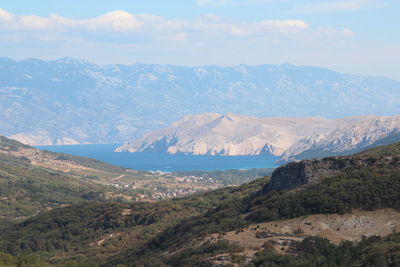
[(290, 138), (69, 101), (364, 134)]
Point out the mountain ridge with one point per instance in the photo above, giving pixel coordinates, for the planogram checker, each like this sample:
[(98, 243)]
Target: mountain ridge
[(368, 133), (230, 134), (89, 103)]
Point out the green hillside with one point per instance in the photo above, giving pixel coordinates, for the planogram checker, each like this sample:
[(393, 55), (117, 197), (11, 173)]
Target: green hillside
[(33, 180), (26, 189), (177, 232), (392, 150), (69, 229)]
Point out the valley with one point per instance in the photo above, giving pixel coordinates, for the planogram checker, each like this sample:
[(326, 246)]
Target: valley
[(34, 180), (315, 205), (334, 201), (200, 133)]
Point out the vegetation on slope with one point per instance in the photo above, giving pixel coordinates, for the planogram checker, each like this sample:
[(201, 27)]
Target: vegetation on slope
[(36, 182), (71, 228), (174, 232), (32, 260), (11, 144), (364, 189), (32, 180), (312, 252), (392, 150), (61, 161), (316, 251), (25, 189)]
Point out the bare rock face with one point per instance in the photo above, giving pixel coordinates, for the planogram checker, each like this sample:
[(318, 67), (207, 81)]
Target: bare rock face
[(306, 172), (290, 176), (296, 174), (232, 134), (288, 138)]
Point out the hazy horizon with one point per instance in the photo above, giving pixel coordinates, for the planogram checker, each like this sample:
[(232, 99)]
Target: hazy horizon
[(193, 66), (351, 36)]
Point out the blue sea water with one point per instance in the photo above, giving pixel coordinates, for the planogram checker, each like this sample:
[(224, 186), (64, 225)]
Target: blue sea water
[(164, 162)]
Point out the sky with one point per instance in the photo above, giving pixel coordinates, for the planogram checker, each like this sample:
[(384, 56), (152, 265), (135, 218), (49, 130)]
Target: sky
[(353, 36)]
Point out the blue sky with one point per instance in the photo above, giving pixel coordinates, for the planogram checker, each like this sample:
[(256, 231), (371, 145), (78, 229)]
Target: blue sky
[(354, 36)]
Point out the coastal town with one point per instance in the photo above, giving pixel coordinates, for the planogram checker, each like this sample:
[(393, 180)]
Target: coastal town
[(161, 185)]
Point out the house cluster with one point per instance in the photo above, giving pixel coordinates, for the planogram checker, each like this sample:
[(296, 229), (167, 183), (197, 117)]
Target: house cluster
[(173, 194), (190, 179), (166, 185), (122, 185)]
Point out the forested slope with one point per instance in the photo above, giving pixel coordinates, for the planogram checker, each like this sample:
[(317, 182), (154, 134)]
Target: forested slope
[(190, 231)]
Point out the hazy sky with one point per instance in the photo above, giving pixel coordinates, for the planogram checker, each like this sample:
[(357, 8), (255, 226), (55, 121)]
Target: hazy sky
[(355, 36)]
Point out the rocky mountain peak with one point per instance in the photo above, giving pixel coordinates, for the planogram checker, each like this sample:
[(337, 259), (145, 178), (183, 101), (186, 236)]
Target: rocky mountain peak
[(359, 135), (91, 103), (231, 134)]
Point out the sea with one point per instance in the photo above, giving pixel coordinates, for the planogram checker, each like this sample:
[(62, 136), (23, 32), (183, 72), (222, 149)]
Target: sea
[(164, 162)]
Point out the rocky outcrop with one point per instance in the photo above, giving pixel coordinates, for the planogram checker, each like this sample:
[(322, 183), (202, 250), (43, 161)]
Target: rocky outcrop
[(296, 174), (306, 172)]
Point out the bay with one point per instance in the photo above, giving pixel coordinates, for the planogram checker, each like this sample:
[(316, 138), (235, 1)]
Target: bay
[(164, 162)]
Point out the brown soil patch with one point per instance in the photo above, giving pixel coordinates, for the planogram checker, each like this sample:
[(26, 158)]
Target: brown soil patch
[(334, 227)]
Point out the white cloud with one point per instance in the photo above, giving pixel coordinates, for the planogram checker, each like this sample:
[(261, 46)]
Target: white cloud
[(289, 23), (117, 21), (30, 22), (332, 6), (146, 24), (120, 36), (5, 16), (345, 32)]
